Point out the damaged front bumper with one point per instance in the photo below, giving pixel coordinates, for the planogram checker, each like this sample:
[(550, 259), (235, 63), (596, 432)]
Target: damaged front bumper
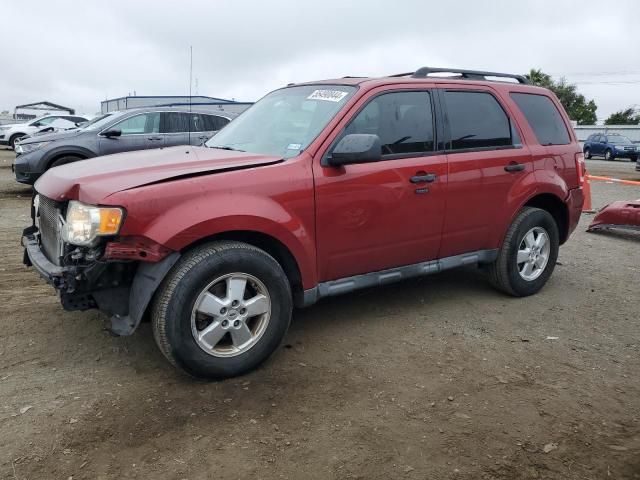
[(62, 278), (122, 290), (624, 215)]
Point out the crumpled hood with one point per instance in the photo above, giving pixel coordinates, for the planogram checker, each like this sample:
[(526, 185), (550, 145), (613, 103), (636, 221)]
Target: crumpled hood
[(93, 180), (41, 136)]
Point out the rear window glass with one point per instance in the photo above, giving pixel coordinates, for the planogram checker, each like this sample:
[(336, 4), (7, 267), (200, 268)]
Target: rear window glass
[(477, 120), (544, 118)]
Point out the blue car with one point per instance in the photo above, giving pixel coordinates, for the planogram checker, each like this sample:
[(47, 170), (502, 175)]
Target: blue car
[(610, 146)]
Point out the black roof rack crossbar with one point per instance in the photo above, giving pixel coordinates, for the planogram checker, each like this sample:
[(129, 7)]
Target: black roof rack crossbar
[(402, 74), (465, 74)]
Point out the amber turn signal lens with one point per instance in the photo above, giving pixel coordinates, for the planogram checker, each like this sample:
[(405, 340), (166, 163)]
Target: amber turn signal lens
[(110, 219)]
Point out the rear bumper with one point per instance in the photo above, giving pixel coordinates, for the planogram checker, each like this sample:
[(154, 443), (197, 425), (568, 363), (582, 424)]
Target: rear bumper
[(575, 202)]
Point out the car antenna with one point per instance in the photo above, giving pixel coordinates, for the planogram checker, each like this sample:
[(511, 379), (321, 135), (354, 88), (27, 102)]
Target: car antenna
[(190, 83)]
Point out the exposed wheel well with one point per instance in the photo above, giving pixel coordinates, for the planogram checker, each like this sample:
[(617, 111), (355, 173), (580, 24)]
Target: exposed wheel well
[(79, 156), (273, 247), (14, 136), (556, 208)]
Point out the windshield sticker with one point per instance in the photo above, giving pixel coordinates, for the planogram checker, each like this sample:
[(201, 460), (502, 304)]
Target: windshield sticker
[(328, 95), (294, 146)]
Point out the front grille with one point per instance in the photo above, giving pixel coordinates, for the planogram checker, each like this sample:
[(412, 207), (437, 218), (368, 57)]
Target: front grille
[(48, 224)]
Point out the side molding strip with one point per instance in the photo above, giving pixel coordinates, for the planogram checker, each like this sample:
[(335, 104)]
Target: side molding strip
[(392, 275)]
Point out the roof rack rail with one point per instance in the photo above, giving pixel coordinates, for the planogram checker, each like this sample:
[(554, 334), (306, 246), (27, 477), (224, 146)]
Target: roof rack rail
[(402, 74), (465, 74)]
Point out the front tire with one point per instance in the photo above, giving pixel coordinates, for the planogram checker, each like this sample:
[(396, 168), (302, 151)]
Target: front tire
[(587, 153), (528, 254), (222, 310), (608, 155)]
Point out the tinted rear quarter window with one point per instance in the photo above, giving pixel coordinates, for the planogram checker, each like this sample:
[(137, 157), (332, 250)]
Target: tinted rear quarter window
[(476, 120), (543, 117), (213, 122)]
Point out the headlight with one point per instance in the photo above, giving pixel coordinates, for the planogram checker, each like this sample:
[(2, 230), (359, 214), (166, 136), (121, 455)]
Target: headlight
[(84, 223), (30, 147), (4, 129)]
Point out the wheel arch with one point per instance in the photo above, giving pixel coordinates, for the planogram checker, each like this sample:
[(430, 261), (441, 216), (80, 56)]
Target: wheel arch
[(274, 247), (80, 153), (14, 135), (556, 207)]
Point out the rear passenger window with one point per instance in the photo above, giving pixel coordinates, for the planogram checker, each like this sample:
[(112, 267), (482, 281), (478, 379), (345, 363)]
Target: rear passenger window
[(544, 118), (402, 120), (176, 122), (476, 120)]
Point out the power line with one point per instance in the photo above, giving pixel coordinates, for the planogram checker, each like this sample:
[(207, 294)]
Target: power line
[(596, 74), (610, 82)]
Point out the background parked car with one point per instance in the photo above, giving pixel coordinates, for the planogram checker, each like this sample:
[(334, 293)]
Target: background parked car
[(79, 126), (610, 146), (135, 129), (10, 134)]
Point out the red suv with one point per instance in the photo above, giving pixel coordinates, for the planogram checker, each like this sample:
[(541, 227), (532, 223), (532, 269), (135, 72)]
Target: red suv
[(319, 189)]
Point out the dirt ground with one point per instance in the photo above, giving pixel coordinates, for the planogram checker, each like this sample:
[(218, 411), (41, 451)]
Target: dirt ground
[(439, 378)]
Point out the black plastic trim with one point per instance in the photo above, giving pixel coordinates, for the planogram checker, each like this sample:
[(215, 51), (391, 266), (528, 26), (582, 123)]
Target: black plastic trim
[(392, 275), (424, 72)]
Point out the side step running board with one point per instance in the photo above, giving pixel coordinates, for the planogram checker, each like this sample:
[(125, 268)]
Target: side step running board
[(392, 275)]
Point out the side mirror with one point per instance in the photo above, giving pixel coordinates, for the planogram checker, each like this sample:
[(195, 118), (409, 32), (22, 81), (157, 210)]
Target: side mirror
[(36, 124), (115, 132), (356, 148)]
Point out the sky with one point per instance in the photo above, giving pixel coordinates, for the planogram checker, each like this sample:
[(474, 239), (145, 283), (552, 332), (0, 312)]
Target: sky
[(79, 53)]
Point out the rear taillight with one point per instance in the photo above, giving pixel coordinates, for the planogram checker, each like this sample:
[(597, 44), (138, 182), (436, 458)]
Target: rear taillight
[(581, 168)]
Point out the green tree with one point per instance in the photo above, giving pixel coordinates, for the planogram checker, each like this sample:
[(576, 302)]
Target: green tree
[(577, 106), (628, 116)]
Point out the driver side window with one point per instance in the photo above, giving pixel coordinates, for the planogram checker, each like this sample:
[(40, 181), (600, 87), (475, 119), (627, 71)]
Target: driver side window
[(402, 120), (44, 121), (140, 124)]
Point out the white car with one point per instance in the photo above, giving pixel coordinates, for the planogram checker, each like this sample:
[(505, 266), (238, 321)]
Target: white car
[(10, 134)]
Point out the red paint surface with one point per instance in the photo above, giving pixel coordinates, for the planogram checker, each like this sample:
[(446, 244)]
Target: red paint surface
[(620, 214)]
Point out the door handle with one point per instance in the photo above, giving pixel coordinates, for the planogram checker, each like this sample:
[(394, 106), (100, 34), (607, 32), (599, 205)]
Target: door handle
[(514, 167), (428, 178), (154, 138)]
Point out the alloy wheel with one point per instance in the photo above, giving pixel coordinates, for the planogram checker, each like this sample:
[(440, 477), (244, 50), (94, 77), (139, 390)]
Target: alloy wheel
[(533, 253), (230, 315)]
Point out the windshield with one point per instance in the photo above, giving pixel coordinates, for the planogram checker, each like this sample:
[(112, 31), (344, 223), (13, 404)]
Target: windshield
[(619, 139), (102, 121), (93, 121), (284, 122)]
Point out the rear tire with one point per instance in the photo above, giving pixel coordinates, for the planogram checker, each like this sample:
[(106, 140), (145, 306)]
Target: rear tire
[(197, 297), (509, 272), (587, 153)]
